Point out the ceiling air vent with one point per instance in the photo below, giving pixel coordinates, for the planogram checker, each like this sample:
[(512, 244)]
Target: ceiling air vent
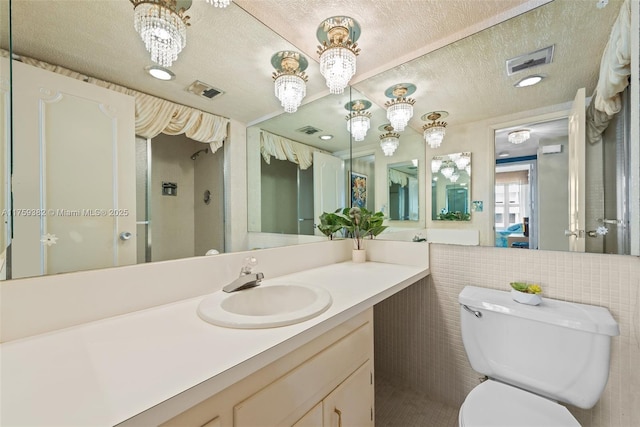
[(309, 130), (204, 90), (530, 60)]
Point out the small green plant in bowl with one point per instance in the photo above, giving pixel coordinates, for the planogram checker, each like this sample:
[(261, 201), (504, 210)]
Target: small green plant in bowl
[(526, 287), (526, 293)]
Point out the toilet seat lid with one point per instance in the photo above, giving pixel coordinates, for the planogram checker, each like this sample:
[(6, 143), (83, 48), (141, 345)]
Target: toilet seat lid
[(496, 404)]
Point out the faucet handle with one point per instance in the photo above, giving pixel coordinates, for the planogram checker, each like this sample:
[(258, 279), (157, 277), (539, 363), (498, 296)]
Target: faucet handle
[(248, 264)]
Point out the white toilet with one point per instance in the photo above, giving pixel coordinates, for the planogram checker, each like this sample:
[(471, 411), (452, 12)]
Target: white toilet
[(533, 356)]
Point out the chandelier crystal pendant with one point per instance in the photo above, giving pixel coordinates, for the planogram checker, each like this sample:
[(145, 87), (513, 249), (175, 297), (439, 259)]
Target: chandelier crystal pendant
[(219, 3), (389, 141), (447, 170), (290, 79), (463, 160), (436, 163), (162, 25), (338, 51), (434, 132), (359, 120), (400, 108), (519, 136)]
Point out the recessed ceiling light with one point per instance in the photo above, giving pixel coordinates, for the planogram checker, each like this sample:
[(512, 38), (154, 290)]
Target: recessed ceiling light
[(529, 81), (325, 137), (160, 73), (503, 154)]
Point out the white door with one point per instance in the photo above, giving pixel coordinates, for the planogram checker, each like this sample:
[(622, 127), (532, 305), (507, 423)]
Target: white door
[(576, 230), (328, 185), (73, 175)]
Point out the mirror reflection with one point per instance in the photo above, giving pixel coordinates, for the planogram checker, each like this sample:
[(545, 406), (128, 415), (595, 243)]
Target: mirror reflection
[(404, 189), (461, 78), (450, 187)]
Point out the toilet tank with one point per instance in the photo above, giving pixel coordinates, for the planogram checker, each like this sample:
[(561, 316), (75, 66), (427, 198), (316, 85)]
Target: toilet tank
[(557, 349)]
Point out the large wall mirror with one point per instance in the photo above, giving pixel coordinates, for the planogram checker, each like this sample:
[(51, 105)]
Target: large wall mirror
[(483, 98), (467, 78), (169, 189)]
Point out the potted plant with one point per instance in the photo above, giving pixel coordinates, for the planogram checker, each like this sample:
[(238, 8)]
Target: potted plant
[(453, 216), (330, 223), (526, 293), (356, 223), (361, 223)]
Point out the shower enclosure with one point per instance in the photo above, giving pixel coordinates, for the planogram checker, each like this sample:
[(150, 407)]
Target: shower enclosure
[(180, 198)]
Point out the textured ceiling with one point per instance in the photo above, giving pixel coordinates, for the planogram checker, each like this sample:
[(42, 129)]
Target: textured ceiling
[(401, 41)]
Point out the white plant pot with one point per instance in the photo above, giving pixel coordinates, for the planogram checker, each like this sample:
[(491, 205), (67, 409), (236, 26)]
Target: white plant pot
[(359, 255), (525, 298)]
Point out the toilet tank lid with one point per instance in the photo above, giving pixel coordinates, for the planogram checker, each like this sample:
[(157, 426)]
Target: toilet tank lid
[(588, 318)]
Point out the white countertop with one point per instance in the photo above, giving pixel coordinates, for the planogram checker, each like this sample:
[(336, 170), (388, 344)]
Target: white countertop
[(155, 363)]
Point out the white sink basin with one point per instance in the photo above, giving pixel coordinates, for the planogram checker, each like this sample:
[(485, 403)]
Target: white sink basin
[(265, 306)]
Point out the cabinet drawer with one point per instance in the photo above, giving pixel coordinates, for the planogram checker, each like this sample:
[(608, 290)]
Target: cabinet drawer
[(285, 400)]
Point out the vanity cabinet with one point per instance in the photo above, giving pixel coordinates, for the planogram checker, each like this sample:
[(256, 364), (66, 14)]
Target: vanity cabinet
[(325, 382)]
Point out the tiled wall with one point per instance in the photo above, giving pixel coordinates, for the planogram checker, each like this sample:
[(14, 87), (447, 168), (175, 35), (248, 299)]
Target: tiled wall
[(418, 342)]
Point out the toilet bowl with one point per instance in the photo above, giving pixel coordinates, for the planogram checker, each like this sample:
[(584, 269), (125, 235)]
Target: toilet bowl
[(533, 357), (494, 404)]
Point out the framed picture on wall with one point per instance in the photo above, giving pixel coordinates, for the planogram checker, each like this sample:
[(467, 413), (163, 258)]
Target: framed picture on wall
[(358, 190)]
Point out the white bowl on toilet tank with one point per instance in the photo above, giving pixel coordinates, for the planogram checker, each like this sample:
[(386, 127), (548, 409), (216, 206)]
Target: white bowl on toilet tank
[(558, 349)]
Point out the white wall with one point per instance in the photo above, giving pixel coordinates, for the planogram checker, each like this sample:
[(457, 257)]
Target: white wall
[(553, 196), (209, 218), (172, 225), (235, 187)]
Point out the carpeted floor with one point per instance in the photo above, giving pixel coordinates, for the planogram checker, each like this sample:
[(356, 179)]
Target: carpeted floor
[(398, 407)]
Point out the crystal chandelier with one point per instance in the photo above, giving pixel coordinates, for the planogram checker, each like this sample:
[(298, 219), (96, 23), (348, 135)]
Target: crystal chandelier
[(434, 131), (219, 3), (519, 136), (289, 79), (389, 141), (338, 51), (162, 27), (400, 108), (463, 160), (454, 177), (447, 170), (359, 120), (436, 162)]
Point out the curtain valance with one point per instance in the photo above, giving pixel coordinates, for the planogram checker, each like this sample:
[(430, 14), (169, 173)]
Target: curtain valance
[(397, 177), (286, 149), (154, 115), (615, 66)]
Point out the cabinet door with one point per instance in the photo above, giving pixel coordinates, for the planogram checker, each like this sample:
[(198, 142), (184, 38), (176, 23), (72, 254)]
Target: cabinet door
[(351, 403), (313, 418)]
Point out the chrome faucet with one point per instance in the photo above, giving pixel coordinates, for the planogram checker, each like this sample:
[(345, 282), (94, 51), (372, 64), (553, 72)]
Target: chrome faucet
[(247, 278)]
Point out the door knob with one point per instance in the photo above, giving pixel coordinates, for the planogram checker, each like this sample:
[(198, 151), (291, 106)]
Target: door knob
[(125, 235), (578, 234)]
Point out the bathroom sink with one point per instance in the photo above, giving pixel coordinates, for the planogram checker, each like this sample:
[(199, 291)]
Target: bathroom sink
[(265, 306)]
